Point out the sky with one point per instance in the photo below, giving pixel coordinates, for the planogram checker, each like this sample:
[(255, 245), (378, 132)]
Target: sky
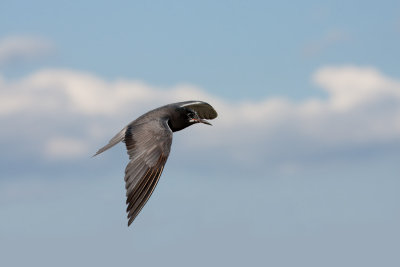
[(299, 169)]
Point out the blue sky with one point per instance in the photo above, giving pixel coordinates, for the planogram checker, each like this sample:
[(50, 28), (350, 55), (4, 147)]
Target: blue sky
[(236, 49), (300, 168)]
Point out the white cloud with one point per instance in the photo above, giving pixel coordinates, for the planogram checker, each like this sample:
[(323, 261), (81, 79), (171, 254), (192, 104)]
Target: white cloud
[(85, 94), (18, 48), (349, 87), (78, 112)]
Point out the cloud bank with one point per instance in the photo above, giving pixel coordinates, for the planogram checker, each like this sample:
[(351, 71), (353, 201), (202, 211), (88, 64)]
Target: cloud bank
[(62, 114)]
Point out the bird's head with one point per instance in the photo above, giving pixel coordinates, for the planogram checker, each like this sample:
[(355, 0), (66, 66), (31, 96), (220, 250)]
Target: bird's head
[(185, 114)]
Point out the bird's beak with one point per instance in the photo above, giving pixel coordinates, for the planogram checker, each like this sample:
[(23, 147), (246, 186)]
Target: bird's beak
[(201, 120), (204, 121)]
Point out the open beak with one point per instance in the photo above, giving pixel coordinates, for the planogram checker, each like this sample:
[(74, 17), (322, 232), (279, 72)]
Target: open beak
[(202, 121)]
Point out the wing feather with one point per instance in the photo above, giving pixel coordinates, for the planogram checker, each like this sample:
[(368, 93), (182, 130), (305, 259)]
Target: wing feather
[(115, 140), (141, 193), (146, 188), (148, 146)]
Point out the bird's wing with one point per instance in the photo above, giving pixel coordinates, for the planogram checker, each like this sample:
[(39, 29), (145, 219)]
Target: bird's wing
[(115, 140), (203, 109), (148, 146)]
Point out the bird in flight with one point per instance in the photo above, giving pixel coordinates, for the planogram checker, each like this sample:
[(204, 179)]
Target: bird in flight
[(148, 141)]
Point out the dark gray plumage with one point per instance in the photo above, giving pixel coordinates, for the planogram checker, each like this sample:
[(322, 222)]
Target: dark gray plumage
[(148, 141)]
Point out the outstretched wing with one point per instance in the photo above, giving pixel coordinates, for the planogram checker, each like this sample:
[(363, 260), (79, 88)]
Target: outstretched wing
[(203, 109), (148, 146)]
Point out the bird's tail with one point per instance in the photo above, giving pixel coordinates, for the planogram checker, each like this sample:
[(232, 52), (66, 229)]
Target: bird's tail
[(115, 140)]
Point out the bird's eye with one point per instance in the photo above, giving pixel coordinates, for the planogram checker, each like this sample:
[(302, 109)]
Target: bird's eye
[(191, 115)]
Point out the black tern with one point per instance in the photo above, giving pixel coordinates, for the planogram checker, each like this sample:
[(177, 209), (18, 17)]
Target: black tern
[(148, 141)]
